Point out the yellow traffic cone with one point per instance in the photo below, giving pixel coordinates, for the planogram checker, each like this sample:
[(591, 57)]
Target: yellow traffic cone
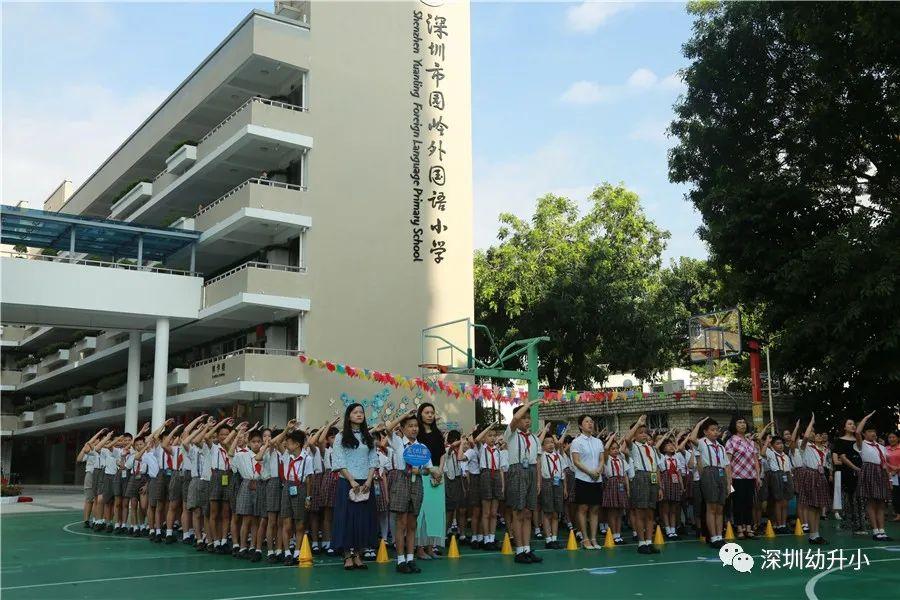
[(770, 533), (572, 544), (306, 557), (453, 550), (729, 532), (507, 546), (658, 539), (702, 539), (382, 556), (608, 541), (798, 528)]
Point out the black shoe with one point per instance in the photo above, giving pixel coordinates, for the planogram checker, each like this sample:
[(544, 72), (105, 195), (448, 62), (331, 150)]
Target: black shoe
[(476, 544), (212, 549), (534, 557), (644, 550), (579, 536), (619, 542), (403, 568), (330, 552), (201, 546), (413, 568), (538, 535), (222, 549), (885, 538), (717, 544), (234, 551), (257, 556), (523, 558), (272, 558), (317, 550), (290, 561), (819, 541), (652, 550), (170, 539), (243, 554)]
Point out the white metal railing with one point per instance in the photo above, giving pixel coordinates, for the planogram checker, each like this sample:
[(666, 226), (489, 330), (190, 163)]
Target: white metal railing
[(253, 180), (255, 265), (266, 101), (104, 263), (248, 350)]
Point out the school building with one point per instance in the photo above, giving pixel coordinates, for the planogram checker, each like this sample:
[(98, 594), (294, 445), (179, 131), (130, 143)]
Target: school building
[(307, 189)]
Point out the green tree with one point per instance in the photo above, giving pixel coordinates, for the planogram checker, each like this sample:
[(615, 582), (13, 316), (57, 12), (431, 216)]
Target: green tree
[(589, 282), (789, 135)]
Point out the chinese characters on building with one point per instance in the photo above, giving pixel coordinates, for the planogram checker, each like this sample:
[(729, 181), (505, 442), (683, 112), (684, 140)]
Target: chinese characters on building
[(429, 147)]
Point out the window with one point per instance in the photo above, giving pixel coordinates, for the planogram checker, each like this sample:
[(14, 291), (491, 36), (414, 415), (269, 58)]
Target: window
[(658, 421)]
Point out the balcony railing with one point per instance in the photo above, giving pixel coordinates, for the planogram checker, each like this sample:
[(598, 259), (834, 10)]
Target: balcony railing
[(103, 263), (255, 265), (252, 180), (258, 99), (247, 350)]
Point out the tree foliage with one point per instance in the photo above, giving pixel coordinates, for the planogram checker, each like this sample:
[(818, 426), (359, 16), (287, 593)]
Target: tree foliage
[(789, 134)]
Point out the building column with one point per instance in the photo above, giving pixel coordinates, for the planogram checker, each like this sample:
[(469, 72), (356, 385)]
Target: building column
[(160, 373), (297, 408), (133, 383)]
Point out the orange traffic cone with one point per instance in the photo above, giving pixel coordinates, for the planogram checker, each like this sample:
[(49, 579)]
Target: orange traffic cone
[(658, 539), (507, 546), (798, 528), (770, 533), (306, 557), (382, 556), (572, 544), (608, 541), (453, 550), (729, 532)]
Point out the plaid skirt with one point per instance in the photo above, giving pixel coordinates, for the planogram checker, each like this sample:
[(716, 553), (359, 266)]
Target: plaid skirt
[(245, 500), (490, 485), (193, 499), (813, 489), (382, 498), (551, 496), (293, 507), (406, 494), (644, 494), (158, 487), (89, 493), (312, 490), (453, 493), (672, 491), (133, 487), (472, 490), (614, 494), (217, 491), (175, 487), (874, 483), (521, 487), (780, 488), (328, 488), (713, 484)]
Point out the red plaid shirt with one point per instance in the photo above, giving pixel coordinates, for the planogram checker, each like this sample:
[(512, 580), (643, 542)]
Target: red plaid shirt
[(744, 457)]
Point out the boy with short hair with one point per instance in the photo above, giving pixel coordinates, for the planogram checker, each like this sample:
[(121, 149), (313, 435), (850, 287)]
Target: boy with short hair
[(645, 490), (715, 477), (90, 458), (552, 493), (220, 478), (249, 468), (296, 465), (522, 485), (491, 486)]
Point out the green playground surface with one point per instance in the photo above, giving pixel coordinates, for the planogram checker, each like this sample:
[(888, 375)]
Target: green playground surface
[(51, 555)]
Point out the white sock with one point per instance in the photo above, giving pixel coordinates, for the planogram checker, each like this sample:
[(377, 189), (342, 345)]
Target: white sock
[(279, 551), (401, 558), (296, 554), (410, 558), (270, 553), (326, 544), (238, 546), (813, 535), (527, 549), (185, 535)]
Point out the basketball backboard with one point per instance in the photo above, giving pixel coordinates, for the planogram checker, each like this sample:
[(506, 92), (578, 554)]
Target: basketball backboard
[(715, 335)]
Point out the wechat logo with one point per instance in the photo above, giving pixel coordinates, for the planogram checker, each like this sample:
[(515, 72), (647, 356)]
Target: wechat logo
[(734, 556)]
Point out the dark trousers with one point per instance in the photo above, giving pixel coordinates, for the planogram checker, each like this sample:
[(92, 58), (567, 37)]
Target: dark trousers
[(742, 501), (895, 499)]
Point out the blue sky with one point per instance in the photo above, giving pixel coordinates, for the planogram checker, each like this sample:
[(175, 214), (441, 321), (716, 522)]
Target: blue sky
[(564, 96)]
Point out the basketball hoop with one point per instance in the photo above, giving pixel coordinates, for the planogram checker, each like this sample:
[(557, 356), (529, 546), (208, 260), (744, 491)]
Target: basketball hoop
[(442, 369), (699, 355)]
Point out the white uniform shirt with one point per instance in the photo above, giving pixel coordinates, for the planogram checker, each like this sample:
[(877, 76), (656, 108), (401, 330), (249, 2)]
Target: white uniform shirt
[(504, 460), (91, 461), (523, 447), (136, 466), (669, 463), (219, 459), (385, 461), (245, 464), (872, 452), (489, 458), (813, 458), (644, 457), (589, 450), (629, 468), (326, 460), (297, 468), (778, 461), (152, 463), (187, 461), (471, 462), (452, 464), (551, 465), (204, 460), (711, 454), (109, 459), (318, 462), (192, 461), (398, 445), (615, 466)]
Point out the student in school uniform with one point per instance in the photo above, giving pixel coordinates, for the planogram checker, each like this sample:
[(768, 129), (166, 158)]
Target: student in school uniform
[(491, 486), (244, 460), (874, 480), (553, 490), (296, 465), (813, 491), (148, 458), (671, 469), (270, 490), (587, 451), (645, 490), (112, 484), (522, 484), (893, 462), (453, 488), (328, 489), (616, 487), (473, 490), (137, 479), (355, 459), (380, 486), (779, 473), (316, 442), (89, 457), (196, 447), (715, 477), (179, 510), (502, 509), (219, 507), (569, 472)]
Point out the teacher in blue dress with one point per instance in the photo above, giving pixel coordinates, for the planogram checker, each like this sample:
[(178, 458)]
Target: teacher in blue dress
[(432, 518)]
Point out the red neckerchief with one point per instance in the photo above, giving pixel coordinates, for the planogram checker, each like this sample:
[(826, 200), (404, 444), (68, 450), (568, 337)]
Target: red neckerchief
[(492, 450), (673, 464), (527, 438), (880, 453), (615, 463), (292, 469), (821, 454), (555, 460)]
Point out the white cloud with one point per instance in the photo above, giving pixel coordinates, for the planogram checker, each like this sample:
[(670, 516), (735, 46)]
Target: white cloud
[(46, 141), (642, 80), (588, 16), (650, 131)]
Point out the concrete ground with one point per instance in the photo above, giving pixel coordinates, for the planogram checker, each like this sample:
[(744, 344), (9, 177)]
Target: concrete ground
[(46, 498)]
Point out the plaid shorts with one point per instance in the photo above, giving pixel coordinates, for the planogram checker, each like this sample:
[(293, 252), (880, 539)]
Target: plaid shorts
[(672, 490), (245, 500), (133, 487), (293, 507), (813, 489), (89, 493), (521, 488), (779, 489), (490, 485), (406, 494), (472, 490), (193, 499), (158, 487), (551, 496), (271, 496), (453, 493), (328, 488), (382, 498), (175, 488), (712, 485), (217, 491), (644, 494)]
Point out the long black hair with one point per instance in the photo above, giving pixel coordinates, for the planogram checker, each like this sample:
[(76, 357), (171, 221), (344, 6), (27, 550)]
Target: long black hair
[(434, 439), (348, 440)]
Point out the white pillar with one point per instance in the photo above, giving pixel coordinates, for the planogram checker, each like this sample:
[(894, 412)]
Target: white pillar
[(160, 373), (133, 383), (297, 408)]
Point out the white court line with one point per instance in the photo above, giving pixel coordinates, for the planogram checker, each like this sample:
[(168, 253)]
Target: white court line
[(810, 588), (109, 536)]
